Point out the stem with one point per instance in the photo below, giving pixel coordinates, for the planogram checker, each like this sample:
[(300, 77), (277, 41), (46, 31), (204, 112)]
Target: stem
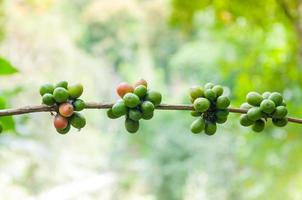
[(92, 105)]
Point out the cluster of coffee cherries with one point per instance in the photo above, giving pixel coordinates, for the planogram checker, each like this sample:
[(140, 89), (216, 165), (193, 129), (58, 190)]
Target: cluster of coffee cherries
[(262, 107), (137, 102), (66, 100), (210, 107)]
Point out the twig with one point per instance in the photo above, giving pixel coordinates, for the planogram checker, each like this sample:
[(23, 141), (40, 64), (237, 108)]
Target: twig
[(91, 105)]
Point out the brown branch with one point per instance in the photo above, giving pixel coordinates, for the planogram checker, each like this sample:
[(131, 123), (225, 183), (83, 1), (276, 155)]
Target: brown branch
[(91, 105)]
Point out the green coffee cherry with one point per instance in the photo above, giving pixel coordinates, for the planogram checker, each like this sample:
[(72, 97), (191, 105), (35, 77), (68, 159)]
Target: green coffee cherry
[(119, 108), (254, 113), (46, 89), (79, 105), (245, 121), (154, 97), (266, 95), (64, 131), (218, 89), (111, 115), (276, 98), (60, 95), (140, 91), (63, 84), (267, 106), (258, 126), (131, 125), (147, 116), (210, 128), (131, 100), (210, 94), (75, 91), (195, 113), (201, 104), (196, 92), (135, 114), (222, 102), (280, 122), (198, 125), (246, 106), (254, 98), (209, 86), (147, 107), (48, 99), (222, 113), (280, 112), (221, 120), (77, 120)]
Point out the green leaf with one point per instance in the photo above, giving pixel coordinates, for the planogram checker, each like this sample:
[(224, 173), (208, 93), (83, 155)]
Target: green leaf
[(6, 67)]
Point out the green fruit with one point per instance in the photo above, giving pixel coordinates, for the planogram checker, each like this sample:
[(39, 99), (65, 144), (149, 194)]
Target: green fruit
[(131, 126), (222, 102), (258, 126), (280, 112), (111, 115), (63, 84), (75, 91), (245, 121), (254, 98), (46, 89), (218, 89), (246, 106), (209, 86), (79, 105), (221, 120), (135, 114), (276, 98), (1, 128), (140, 91), (48, 99), (147, 116), (119, 108), (210, 94), (267, 106), (283, 103), (77, 120), (154, 97), (266, 95), (198, 125), (64, 131), (195, 114), (147, 107), (210, 128), (254, 113), (196, 92), (131, 100), (222, 113), (280, 122), (201, 104), (60, 95)]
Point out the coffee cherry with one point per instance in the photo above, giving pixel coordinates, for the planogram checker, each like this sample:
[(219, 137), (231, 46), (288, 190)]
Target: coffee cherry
[(222, 102), (66, 109), (254, 113), (280, 122), (75, 91), (48, 99), (79, 105), (60, 95), (140, 91), (195, 113), (276, 98), (196, 92), (198, 125), (245, 121), (124, 88), (222, 113), (135, 114), (245, 106), (147, 107), (141, 82), (254, 98), (209, 86), (64, 131), (63, 84), (46, 89), (119, 108), (266, 95), (210, 128), (210, 94), (201, 104), (131, 100), (267, 106), (280, 112), (111, 115), (77, 120), (131, 125), (60, 122), (154, 97), (258, 126), (221, 120), (218, 89), (147, 116)]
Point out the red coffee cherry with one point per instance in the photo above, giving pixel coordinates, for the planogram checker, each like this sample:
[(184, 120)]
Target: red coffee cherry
[(60, 122), (141, 82), (124, 88), (66, 109)]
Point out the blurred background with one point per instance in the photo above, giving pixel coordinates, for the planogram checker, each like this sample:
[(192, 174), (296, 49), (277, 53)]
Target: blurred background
[(244, 45)]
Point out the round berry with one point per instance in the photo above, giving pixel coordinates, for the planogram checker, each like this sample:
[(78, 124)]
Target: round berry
[(198, 125), (254, 113), (60, 95), (77, 120), (75, 91), (48, 99), (258, 125), (79, 105), (135, 114), (111, 115), (154, 97), (280, 122), (64, 131), (222, 102), (63, 84), (147, 116), (119, 108), (254, 98), (210, 94), (196, 92), (195, 113), (141, 82), (131, 125), (46, 89), (218, 89), (147, 107), (209, 86), (245, 121), (66, 109), (221, 120), (131, 100), (266, 95), (210, 128), (267, 106), (201, 104), (280, 112), (140, 91), (124, 88), (60, 122), (276, 98), (222, 113), (246, 106)]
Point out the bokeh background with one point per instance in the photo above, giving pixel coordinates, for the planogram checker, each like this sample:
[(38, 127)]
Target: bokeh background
[(244, 45)]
